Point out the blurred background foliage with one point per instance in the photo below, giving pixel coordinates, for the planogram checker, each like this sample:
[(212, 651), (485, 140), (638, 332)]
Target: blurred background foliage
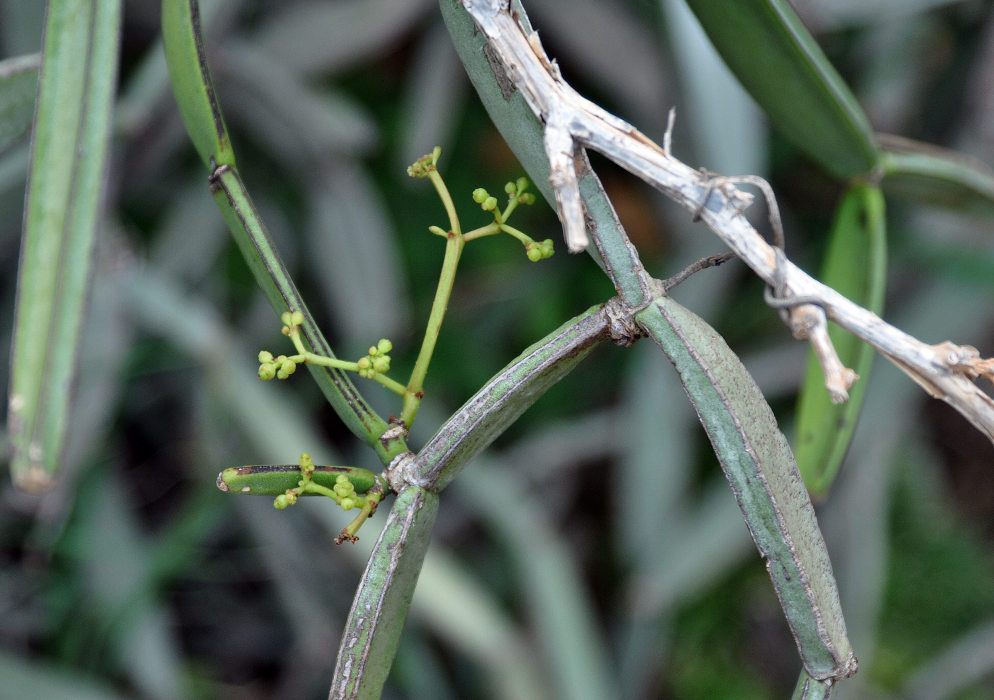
[(597, 543)]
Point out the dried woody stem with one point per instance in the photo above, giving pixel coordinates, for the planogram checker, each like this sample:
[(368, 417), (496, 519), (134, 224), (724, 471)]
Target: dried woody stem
[(572, 122)]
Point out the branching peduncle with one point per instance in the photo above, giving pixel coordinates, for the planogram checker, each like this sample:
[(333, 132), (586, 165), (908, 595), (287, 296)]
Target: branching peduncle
[(376, 363)]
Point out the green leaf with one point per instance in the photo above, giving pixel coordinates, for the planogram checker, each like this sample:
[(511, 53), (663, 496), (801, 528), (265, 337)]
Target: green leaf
[(186, 57), (18, 87), (924, 173), (781, 65), (506, 396), (855, 266), (379, 608), (69, 154), (761, 470)]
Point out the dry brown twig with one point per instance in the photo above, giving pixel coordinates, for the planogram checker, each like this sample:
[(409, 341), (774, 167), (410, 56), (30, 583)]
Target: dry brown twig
[(572, 122)]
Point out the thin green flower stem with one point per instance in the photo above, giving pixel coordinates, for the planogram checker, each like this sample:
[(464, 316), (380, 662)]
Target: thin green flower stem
[(311, 487), (391, 384), (322, 361), (415, 387), (454, 243), (512, 204), (488, 230), (443, 194), (362, 517), (524, 238), (305, 356)]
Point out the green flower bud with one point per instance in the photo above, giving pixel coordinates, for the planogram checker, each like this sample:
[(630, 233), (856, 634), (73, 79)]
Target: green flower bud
[(547, 248), (285, 318), (265, 356), (297, 318), (479, 195), (306, 460), (527, 198), (364, 363), (509, 188), (381, 364), (347, 503), (267, 371), (285, 499), (384, 346), (286, 369), (489, 204), (533, 252), (522, 184), (425, 164)]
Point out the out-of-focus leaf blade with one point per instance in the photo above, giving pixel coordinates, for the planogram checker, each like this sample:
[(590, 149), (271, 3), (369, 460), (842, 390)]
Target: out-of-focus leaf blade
[(69, 153), (856, 266), (550, 581), (321, 36), (318, 122), (763, 475), (352, 252), (938, 176), (708, 94), (18, 87), (781, 65), (29, 679)]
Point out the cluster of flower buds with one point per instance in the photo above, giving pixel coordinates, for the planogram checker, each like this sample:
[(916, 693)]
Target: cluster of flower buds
[(539, 250), (345, 492), (517, 189), (279, 367), (377, 361), (425, 164)]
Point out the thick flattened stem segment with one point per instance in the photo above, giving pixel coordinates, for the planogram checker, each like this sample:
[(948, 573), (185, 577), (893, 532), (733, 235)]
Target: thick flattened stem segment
[(186, 57), (507, 395), (379, 608), (274, 479), (808, 688), (761, 470), (272, 276), (194, 91)]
